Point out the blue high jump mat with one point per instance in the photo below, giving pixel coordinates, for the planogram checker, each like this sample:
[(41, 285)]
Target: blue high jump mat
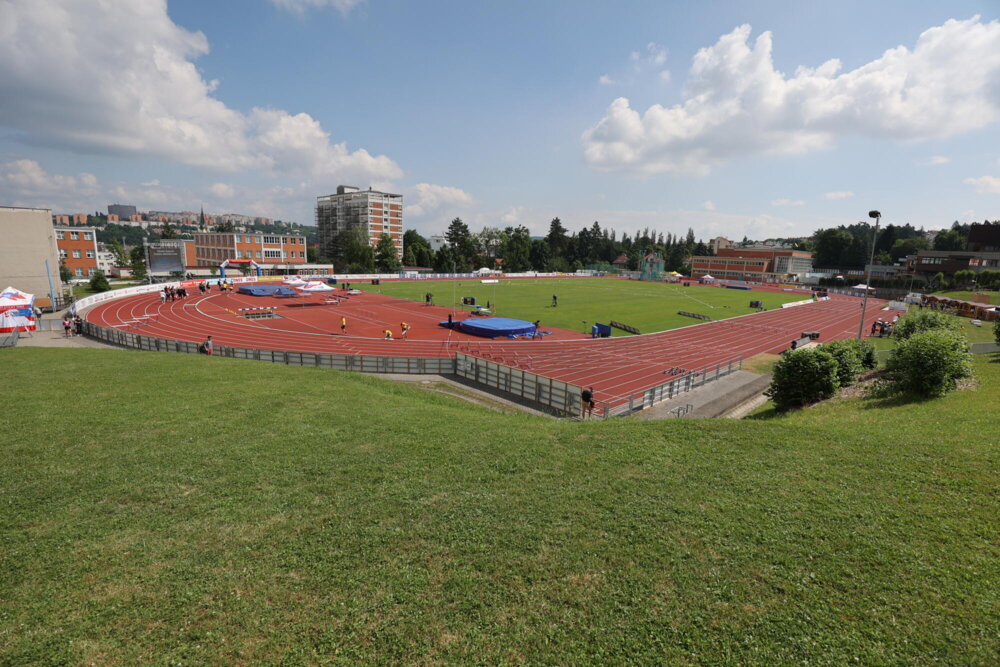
[(266, 290), (493, 327)]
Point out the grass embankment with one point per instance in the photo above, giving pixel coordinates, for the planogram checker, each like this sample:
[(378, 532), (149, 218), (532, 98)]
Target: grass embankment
[(208, 510), (647, 306)]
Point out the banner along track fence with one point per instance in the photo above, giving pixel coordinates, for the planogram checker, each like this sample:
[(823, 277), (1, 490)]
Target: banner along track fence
[(341, 362)]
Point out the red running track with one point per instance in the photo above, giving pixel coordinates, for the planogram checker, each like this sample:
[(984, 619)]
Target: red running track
[(615, 366)]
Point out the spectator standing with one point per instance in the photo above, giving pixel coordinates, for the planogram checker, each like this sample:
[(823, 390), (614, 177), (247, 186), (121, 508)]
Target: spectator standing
[(67, 327)]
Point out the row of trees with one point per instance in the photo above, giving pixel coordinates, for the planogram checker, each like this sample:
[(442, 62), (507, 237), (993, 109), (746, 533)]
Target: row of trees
[(849, 246), (513, 249)]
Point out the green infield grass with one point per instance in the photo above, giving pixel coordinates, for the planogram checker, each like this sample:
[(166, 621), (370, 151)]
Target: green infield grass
[(164, 508), (647, 306)]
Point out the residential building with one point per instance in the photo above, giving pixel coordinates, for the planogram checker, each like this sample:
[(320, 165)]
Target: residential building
[(270, 252), (123, 211), (29, 257), (374, 211), (754, 265), (720, 242), (931, 262), (438, 241), (984, 237), (78, 250)]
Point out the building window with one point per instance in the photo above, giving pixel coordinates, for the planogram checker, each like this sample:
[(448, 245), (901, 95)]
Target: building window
[(272, 239), (90, 254), (74, 236), (79, 272), (258, 254), (272, 254), (61, 236), (76, 254), (62, 253), (87, 236)]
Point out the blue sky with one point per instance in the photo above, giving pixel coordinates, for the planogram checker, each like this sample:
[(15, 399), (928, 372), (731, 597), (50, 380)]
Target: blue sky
[(728, 117)]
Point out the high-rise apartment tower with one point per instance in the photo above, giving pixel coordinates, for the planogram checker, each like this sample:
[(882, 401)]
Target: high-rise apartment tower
[(376, 212)]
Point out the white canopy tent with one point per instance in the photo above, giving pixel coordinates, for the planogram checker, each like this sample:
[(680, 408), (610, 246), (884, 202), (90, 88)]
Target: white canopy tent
[(17, 311)]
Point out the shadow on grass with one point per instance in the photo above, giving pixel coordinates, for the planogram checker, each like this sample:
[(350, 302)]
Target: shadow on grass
[(768, 413), (995, 358)]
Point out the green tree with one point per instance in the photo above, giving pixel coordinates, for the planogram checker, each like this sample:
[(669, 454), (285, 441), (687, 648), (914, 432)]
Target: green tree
[(358, 254), (949, 239), (386, 259), (832, 246), (118, 250), (516, 249), (137, 261), (996, 330), (964, 277), (168, 231), (65, 275), (99, 282), (802, 377), (908, 246), (312, 254), (557, 239), (929, 363), (462, 244), (539, 254)]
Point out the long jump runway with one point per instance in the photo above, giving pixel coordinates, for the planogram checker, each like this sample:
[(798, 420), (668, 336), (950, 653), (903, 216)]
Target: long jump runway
[(614, 366)]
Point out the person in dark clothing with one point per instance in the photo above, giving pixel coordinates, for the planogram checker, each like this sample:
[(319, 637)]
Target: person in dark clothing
[(587, 402), (555, 301), (450, 322)]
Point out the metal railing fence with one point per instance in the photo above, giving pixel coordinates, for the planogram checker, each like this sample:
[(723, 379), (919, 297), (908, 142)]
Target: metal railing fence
[(561, 397)]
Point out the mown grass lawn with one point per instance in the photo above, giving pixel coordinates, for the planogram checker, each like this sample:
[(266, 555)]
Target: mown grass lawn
[(989, 296), (646, 306), (208, 510)]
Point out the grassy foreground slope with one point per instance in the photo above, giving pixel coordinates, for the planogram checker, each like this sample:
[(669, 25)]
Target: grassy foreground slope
[(171, 508), (648, 306)]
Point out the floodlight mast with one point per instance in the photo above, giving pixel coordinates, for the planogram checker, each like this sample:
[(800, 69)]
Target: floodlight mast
[(875, 215)]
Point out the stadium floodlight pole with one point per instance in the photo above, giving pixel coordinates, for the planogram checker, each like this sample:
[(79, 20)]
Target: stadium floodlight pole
[(868, 271)]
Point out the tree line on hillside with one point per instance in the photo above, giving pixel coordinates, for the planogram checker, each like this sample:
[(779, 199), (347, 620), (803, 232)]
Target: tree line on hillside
[(512, 249), (849, 246)]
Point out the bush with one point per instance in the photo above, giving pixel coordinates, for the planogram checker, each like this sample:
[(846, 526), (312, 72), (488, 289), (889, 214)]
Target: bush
[(99, 282), (996, 330), (853, 357), (802, 377), (923, 320), (930, 363)]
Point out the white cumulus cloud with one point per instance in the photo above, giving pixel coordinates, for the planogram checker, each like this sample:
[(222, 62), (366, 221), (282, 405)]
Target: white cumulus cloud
[(840, 194), (299, 6), (425, 199), (121, 79), (605, 80), (934, 161), (788, 202), (709, 205), (222, 190), (985, 184), (736, 103), (27, 178)]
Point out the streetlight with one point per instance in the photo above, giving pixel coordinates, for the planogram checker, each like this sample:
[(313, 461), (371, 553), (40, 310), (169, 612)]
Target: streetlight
[(864, 304)]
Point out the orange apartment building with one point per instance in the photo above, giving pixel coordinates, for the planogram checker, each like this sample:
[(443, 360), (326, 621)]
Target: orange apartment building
[(753, 265), (78, 250), (269, 251)]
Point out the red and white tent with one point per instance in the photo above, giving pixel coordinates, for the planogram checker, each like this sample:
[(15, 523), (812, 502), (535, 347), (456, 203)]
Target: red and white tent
[(17, 311)]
